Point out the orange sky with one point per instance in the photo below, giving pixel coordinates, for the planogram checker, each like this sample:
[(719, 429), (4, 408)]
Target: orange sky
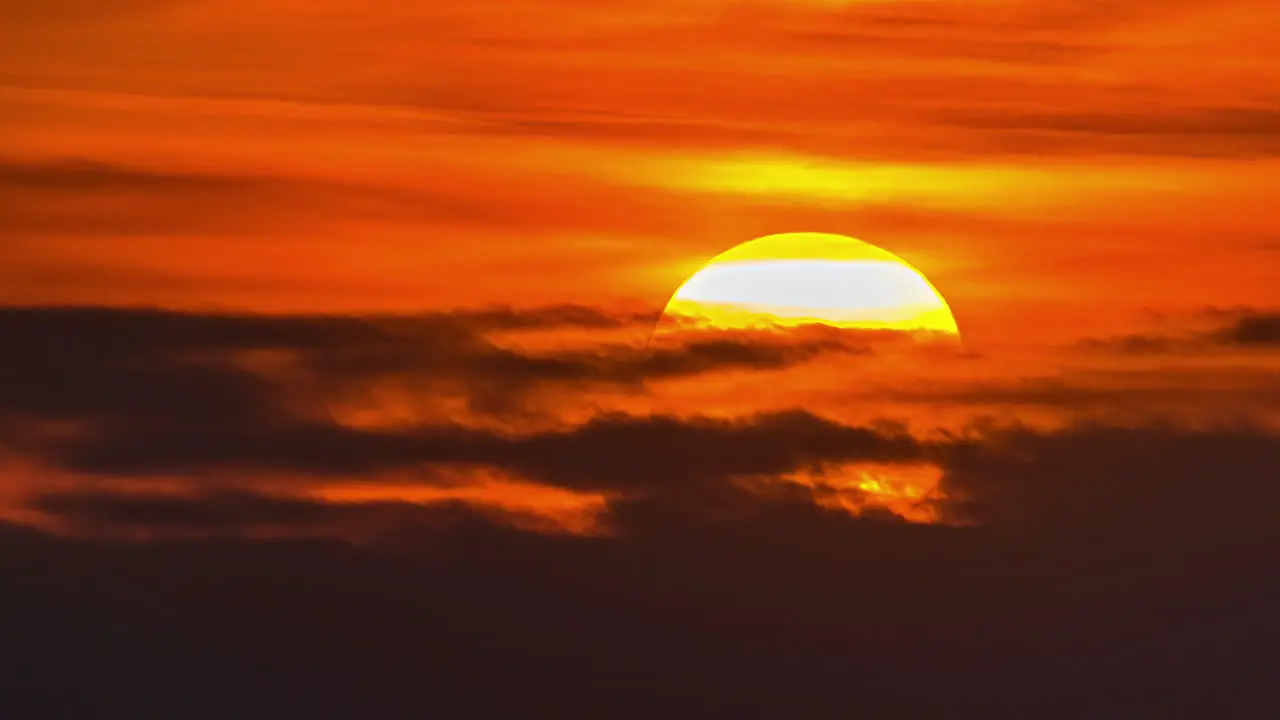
[(1066, 173), (1028, 156)]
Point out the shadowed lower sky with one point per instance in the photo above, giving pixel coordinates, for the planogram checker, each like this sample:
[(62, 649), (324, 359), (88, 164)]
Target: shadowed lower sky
[(324, 376)]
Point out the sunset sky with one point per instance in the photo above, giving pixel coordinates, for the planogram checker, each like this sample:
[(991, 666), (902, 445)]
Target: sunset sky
[(369, 286)]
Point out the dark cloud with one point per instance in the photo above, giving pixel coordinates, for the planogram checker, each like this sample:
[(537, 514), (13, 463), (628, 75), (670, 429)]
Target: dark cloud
[(154, 368), (1260, 330), (104, 367), (86, 363), (153, 391), (1231, 329), (1118, 480), (1105, 571), (1116, 573), (1121, 395), (1104, 477), (144, 330), (500, 376), (231, 513), (609, 452), (238, 510)]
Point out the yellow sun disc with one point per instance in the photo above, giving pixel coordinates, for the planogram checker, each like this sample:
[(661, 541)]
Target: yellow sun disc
[(795, 279)]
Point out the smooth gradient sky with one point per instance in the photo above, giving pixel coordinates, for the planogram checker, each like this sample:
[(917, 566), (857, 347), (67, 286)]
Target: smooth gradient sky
[(335, 311)]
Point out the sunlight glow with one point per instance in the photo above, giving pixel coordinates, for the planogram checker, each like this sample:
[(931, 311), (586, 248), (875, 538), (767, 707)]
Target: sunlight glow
[(910, 491), (805, 278)]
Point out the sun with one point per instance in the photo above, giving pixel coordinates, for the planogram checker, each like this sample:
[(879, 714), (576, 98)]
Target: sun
[(795, 279)]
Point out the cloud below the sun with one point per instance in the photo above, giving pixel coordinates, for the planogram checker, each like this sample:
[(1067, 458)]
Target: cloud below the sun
[(245, 414)]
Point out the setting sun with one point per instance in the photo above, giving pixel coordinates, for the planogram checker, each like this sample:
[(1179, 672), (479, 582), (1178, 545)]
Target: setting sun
[(795, 279)]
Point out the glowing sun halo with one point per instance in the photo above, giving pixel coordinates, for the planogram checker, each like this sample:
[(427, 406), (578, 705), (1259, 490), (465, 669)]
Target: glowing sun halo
[(796, 279)]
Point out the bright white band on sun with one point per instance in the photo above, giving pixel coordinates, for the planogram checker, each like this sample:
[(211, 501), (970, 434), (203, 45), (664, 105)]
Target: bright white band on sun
[(849, 291)]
